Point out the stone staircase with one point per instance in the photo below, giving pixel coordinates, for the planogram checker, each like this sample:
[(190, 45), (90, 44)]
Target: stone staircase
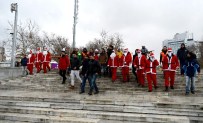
[(41, 98)]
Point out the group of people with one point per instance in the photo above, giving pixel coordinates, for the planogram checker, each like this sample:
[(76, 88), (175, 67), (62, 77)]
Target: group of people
[(143, 63), (40, 60), (88, 65)]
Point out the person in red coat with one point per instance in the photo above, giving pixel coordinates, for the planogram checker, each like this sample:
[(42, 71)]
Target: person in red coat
[(113, 64), (49, 60), (39, 58), (150, 70), (45, 61), (170, 64), (64, 63), (125, 61), (30, 63), (139, 63)]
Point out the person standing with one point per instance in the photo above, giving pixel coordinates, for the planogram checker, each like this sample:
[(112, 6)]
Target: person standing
[(103, 61), (30, 63), (109, 51), (150, 69), (190, 68), (96, 54), (39, 58), (139, 64), (182, 54), (45, 61), (64, 63), (75, 65), (170, 64), (92, 72), (49, 60), (24, 61), (113, 64), (163, 54), (85, 65), (125, 61), (133, 68)]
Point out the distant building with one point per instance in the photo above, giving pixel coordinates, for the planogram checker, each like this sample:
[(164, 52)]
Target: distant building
[(178, 39)]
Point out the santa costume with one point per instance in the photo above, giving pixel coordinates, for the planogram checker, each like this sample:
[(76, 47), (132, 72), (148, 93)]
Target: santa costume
[(125, 61), (46, 60), (113, 64), (170, 64), (30, 63), (139, 63), (39, 58), (150, 70)]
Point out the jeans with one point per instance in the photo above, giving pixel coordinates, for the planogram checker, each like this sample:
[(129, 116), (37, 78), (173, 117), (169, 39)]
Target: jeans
[(103, 69), (190, 84), (25, 72), (84, 79), (93, 85)]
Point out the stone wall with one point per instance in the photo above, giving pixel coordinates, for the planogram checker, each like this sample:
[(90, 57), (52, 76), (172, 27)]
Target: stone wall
[(10, 72)]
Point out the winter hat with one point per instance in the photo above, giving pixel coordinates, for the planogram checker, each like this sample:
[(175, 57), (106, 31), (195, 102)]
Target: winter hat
[(96, 50)]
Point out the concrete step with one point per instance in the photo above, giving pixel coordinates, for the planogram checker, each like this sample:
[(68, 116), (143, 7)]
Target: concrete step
[(44, 118), (93, 116)]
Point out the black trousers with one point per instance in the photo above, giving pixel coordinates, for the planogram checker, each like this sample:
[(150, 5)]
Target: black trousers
[(63, 74)]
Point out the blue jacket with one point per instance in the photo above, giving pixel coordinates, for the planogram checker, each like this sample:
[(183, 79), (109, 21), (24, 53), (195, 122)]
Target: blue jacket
[(191, 67), (24, 61)]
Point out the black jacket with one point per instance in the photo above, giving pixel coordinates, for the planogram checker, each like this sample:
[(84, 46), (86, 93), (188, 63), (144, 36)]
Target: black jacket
[(93, 67), (182, 54), (24, 61), (85, 65), (75, 62)]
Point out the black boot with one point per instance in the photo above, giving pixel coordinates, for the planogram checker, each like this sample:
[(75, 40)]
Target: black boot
[(172, 87), (166, 89), (90, 92)]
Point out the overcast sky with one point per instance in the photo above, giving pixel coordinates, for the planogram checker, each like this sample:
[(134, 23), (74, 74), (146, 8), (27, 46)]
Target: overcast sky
[(140, 22)]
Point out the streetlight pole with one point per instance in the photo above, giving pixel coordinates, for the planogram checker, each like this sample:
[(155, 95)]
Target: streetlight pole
[(14, 7), (75, 17)]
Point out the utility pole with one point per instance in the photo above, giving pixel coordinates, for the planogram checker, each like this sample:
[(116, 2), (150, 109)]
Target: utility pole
[(14, 7), (75, 17)]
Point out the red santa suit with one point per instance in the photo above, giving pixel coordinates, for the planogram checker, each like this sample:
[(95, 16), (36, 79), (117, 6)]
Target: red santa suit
[(170, 64), (150, 70), (113, 64), (46, 60), (30, 63), (125, 61), (139, 63), (39, 59), (49, 60)]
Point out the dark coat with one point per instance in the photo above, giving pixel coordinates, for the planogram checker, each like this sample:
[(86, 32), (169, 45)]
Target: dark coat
[(24, 61), (94, 67), (182, 54), (85, 65), (75, 62)]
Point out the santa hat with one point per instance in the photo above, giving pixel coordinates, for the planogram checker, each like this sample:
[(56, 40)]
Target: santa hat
[(96, 50), (169, 49), (138, 51), (45, 49), (126, 50), (151, 55)]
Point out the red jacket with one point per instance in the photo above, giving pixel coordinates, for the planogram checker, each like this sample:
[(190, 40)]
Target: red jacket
[(140, 62), (46, 58), (150, 66), (125, 60), (49, 56), (39, 57), (31, 60), (64, 63), (113, 62), (170, 64)]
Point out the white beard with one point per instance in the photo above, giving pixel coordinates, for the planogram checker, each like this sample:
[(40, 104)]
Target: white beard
[(139, 54), (170, 54), (125, 53), (37, 52), (44, 52), (113, 55), (29, 56), (152, 59)]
